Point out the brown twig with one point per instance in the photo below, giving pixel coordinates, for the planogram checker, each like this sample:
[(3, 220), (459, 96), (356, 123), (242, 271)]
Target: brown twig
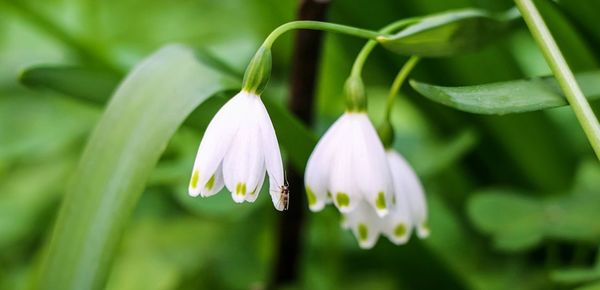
[(307, 50)]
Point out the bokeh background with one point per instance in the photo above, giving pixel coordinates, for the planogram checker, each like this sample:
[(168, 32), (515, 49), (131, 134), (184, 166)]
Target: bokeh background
[(514, 200)]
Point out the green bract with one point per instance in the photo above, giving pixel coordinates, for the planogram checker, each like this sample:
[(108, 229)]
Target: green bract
[(449, 33), (356, 99), (258, 72), (508, 97)]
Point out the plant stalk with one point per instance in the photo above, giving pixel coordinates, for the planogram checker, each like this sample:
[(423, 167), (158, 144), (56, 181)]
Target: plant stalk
[(562, 73)]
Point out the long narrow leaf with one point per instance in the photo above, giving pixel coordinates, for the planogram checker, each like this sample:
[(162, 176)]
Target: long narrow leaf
[(144, 113)]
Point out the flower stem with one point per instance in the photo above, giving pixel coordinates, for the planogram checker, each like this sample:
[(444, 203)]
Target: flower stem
[(318, 25), (366, 50), (561, 71), (398, 81)]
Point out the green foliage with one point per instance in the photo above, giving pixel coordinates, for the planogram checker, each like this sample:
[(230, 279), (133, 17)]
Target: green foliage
[(110, 179), (519, 221), (499, 239), (449, 33), (95, 86), (508, 97)]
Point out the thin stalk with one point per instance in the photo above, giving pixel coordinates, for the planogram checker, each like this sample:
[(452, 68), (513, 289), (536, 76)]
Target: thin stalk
[(562, 73), (318, 25), (360, 60), (397, 84)]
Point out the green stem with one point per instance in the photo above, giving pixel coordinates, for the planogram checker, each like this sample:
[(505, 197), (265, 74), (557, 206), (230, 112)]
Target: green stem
[(398, 81), (561, 71), (318, 25), (366, 50)]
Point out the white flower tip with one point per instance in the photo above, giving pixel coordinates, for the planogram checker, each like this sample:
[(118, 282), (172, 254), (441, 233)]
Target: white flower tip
[(314, 203), (193, 189), (399, 234), (251, 197), (343, 202), (423, 230), (239, 195), (193, 193), (366, 239), (381, 204)]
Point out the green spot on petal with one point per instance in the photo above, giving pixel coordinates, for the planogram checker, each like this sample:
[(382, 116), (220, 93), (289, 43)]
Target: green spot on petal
[(211, 182), (342, 199), (400, 230), (380, 202), (195, 176), (363, 232), (312, 198), (240, 188)]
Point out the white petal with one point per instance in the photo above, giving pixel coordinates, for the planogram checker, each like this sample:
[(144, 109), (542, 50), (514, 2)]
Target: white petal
[(251, 197), (272, 155), (214, 184), (243, 162), (371, 171), (398, 225), (342, 183), (216, 142), (316, 177), (365, 224), (414, 192)]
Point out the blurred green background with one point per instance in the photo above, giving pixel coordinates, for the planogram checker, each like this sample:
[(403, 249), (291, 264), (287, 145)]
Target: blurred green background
[(514, 200)]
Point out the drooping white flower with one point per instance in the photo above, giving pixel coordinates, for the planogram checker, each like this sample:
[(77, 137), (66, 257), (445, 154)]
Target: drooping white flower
[(348, 166), (408, 209), (239, 145), (407, 184)]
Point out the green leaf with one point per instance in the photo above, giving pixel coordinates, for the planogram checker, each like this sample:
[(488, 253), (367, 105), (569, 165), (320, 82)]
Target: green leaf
[(91, 84), (145, 111), (515, 221), (518, 222), (449, 33), (508, 97)]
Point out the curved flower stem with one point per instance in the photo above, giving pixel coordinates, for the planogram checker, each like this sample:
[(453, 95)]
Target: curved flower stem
[(318, 25), (366, 50), (398, 81), (561, 71)]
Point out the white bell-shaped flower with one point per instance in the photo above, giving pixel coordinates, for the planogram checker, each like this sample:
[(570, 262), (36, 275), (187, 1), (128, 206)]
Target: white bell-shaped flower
[(408, 209), (239, 145), (349, 166), (409, 187)]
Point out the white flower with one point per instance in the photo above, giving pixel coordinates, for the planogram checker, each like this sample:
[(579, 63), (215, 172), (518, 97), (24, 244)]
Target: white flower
[(408, 209), (349, 166), (407, 184), (239, 145)]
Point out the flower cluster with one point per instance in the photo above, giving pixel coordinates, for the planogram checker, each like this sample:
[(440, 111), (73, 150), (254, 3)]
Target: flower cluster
[(375, 189)]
